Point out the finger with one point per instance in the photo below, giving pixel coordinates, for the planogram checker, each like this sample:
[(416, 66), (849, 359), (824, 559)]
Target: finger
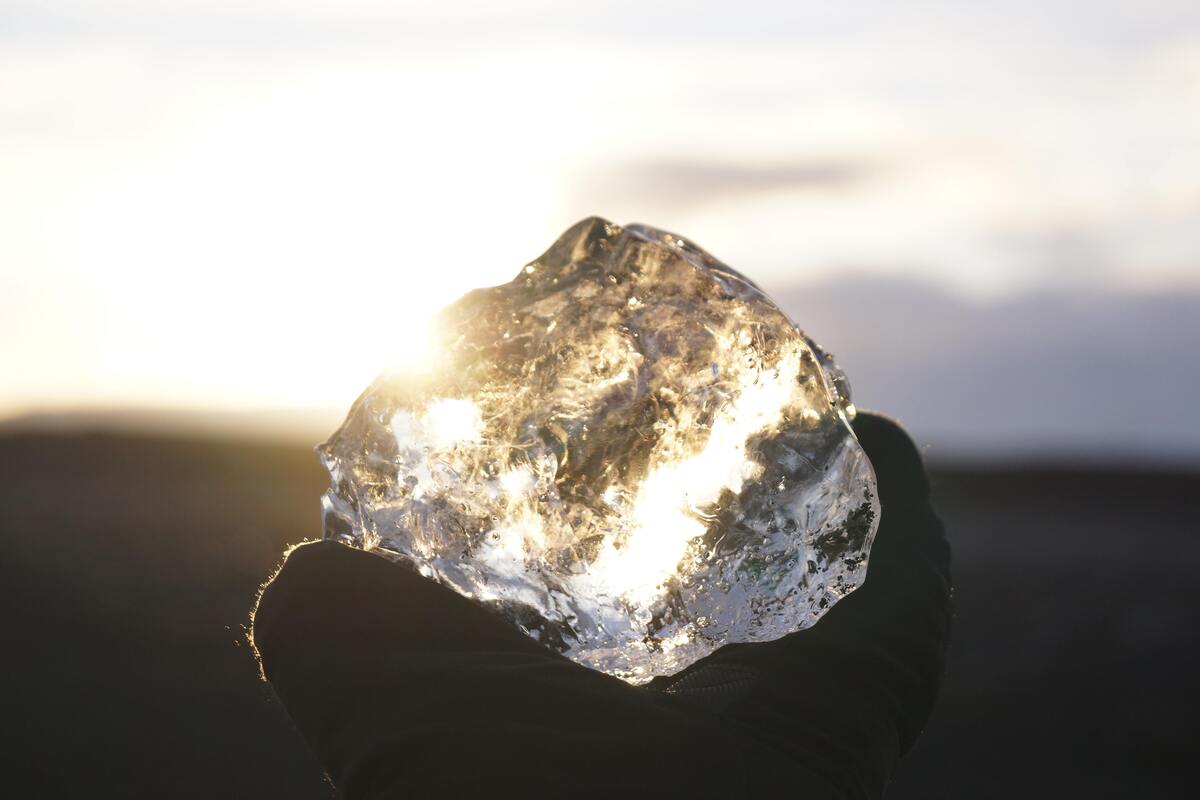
[(904, 494), (402, 687)]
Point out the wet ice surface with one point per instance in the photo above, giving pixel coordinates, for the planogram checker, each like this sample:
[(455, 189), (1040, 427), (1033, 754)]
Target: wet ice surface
[(628, 451)]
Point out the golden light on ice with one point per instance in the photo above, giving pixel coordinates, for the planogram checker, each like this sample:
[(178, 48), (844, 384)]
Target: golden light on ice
[(670, 504), (453, 420), (627, 450)]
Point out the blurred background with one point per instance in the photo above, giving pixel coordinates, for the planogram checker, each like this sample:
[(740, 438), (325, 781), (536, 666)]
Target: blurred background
[(989, 212), (220, 220)]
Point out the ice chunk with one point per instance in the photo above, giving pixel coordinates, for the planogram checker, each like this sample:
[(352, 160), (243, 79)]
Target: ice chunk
[(628, 451)]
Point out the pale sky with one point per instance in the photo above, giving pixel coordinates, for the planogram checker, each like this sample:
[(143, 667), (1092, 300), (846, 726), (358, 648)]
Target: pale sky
[(257, 204)]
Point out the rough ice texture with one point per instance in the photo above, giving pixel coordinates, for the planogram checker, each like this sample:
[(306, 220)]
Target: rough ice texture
[(628, 451)]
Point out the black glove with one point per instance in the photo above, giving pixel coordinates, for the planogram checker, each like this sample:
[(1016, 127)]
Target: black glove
[(404, 688)]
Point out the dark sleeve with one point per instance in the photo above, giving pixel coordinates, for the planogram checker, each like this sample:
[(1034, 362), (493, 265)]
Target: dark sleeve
[(403, 688)]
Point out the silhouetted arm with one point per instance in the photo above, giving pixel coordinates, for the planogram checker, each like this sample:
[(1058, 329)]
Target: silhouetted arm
[(403, 688)]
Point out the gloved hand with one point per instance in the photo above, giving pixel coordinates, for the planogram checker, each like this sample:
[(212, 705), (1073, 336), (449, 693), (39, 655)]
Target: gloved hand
[(403, 688)]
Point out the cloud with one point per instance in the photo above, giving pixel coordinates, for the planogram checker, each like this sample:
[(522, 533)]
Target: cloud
[(1086, 373), (685, 184)]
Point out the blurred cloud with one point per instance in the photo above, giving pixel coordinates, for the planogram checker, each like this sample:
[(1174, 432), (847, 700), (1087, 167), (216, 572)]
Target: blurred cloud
[(682, 185), (1083, 373)]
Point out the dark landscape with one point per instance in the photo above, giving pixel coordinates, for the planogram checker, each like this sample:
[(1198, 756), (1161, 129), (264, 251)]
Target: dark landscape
[(129, 565)]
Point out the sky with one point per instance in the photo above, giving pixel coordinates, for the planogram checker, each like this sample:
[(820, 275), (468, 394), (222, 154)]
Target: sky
[(258, 205)]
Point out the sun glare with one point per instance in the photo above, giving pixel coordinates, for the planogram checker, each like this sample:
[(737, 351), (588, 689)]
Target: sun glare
[(280, 246)]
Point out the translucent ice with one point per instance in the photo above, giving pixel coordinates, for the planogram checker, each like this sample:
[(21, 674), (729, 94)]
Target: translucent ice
[(628, 451)]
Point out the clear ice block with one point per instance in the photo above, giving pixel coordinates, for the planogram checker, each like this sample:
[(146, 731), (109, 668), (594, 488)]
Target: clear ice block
[(628, 451)]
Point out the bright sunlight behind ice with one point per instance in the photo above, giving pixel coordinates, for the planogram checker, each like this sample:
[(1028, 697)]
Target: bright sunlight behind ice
[(665, 509)]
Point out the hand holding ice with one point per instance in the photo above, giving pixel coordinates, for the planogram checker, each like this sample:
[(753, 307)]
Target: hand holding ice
[(629, 451)]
